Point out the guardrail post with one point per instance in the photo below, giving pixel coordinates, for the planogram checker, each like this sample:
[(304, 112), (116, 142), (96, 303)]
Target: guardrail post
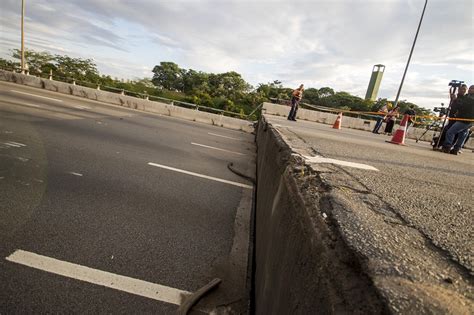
[(73, 82), (122, 92), (147, 97), (197, 107), (172, 103), (98, 87), (50, 74)]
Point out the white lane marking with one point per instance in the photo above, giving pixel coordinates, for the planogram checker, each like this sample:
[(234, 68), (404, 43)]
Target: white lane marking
[(17, 143), (99, 277), (81, 107), (14, 144), (215, 134), (32, 105), (49, 98), (320, 159), (214, 148), (202, 176), (77, 174)]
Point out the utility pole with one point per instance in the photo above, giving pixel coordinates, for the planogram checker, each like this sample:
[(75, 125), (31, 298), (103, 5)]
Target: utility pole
[(22, 37), (22, 62), (409, 57)]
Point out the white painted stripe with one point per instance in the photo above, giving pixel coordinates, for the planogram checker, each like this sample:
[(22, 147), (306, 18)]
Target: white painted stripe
[(81, 107), (215, 134), (214, 148), (99, 277), (202, 176), (17, 143), (77, 174), (320, 159), (32, 105), (49, 98), (12, 145)]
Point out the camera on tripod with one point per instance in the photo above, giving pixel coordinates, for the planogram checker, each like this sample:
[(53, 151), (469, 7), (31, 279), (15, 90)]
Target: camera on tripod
[(441, 110), (455, 83)]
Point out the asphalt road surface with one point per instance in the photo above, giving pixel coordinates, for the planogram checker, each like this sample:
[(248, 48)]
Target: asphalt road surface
[(110, 210), (432, 191)]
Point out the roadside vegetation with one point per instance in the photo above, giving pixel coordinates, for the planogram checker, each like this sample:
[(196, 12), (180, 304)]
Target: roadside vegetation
[(227, 91)]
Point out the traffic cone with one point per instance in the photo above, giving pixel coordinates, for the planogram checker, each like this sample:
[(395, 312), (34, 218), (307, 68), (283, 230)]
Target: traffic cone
[(399, 136), (338, 122)]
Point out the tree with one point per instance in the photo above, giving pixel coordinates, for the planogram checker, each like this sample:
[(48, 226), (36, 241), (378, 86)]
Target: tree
[(37, 62), (194, 82), (8, 64), (168, 76), (311, 96), (325, 92)]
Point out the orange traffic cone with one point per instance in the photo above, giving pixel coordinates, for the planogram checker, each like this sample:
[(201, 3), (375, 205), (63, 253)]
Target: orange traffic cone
[(338, 122), (399, 136)]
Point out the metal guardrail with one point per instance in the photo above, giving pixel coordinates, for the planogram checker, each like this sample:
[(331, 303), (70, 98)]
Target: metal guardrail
[(141, 95)]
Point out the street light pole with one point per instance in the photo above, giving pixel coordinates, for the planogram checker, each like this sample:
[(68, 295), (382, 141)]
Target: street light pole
[(409, 58), (22, 37)]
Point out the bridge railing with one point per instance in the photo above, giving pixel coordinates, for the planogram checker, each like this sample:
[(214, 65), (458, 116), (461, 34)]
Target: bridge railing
[(251, 117)]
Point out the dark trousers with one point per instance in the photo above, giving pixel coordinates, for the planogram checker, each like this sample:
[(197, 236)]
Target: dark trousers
[(378, 124), (294, 108), (389, 126)]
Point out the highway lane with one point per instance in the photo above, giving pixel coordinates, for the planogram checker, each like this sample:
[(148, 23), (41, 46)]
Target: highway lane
[(81, 189), (432, 191)]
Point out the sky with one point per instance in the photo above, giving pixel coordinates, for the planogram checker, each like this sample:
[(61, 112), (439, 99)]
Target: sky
[(318, 43)]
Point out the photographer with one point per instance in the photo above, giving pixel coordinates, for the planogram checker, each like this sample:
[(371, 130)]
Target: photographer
[(455, 99), (411, 112), (463, 111)]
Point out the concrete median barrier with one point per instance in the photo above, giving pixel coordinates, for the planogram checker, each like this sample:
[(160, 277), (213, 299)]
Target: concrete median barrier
[(326, 245), (128, 101)]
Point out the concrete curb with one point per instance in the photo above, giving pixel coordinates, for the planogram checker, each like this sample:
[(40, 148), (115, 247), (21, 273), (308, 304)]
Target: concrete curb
[(326, 245), (128, 101)]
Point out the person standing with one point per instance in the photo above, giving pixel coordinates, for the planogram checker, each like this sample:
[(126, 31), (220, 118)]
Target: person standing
[(411, 120), (390, 120), (453, 110), (296, 97), (384, 110), (463, 121)]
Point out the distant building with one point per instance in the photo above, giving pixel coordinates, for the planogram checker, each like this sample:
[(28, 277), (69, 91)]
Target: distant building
[(374, 83)]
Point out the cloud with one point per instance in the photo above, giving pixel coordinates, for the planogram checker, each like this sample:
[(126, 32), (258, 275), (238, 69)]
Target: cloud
[(320, 43)]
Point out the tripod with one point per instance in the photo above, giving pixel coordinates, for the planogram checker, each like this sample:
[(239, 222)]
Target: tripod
[(433, 125)]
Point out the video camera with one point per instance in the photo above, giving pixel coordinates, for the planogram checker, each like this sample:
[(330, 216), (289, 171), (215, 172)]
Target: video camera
[(441, 110), (455, 83)]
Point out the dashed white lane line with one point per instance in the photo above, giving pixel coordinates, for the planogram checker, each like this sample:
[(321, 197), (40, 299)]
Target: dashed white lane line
[(202, 176), (320, 159), (74, 173), (14, 144), (98, 277), (31, 105), (81, 107), (48, 98), (214, 148), (227, 137)]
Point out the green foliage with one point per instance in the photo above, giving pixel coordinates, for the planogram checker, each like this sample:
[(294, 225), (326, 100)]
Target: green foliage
[(168, 76)]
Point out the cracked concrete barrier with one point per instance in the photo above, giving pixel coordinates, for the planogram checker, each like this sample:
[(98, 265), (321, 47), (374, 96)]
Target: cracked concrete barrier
[(326, 245), (128, 101)]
